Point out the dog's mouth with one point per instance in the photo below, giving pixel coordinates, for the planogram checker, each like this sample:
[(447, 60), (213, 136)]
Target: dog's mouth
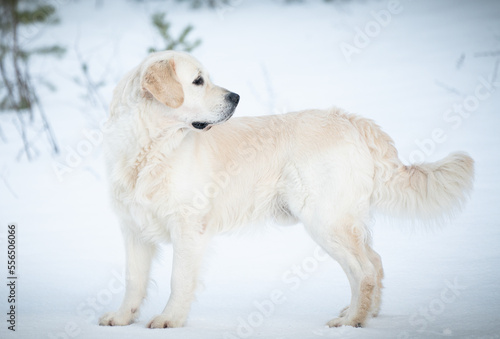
[(200, 125), (205, 126)]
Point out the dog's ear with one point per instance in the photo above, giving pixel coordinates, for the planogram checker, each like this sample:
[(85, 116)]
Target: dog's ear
[(162, 82)]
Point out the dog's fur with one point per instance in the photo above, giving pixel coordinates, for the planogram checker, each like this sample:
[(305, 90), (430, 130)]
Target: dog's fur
[(180, 172)]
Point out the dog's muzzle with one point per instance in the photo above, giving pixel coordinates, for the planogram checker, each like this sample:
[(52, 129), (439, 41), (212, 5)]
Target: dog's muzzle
[(233, 99)]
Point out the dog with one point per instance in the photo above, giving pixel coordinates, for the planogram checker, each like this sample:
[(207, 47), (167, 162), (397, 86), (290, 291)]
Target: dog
[(181, 171)]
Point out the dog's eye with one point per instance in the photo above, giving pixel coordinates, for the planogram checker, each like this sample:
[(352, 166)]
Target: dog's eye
[(198, 81)]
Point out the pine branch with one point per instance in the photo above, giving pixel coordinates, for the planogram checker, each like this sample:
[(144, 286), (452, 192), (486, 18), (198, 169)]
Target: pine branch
[(54, 50), (163, 27), (43, 13)]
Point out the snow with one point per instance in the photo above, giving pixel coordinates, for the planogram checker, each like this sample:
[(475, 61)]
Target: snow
[(269, 283)]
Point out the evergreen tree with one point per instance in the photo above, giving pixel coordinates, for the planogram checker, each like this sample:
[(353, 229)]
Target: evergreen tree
[(163, 27), (21, 22)]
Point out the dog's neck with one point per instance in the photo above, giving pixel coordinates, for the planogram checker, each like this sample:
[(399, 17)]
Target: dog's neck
[(162, 136), (163, 142)]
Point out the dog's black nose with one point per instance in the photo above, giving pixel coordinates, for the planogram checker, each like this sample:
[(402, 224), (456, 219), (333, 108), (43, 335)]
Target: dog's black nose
[(233, 98)]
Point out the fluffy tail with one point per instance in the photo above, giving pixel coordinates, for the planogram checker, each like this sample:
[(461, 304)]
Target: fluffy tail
[(428, 192)]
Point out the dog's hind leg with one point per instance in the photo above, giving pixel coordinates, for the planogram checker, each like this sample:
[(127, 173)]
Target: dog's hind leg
[(377, 291), (139, 256), (346, 241)]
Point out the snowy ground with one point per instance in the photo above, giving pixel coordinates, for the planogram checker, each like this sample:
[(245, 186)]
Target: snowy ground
[(411, 73)]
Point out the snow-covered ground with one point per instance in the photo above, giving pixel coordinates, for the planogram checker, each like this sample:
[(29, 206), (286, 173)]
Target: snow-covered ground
[(426, 71)]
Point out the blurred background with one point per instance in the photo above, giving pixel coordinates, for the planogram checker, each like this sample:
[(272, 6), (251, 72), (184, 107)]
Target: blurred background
[(426, 71)]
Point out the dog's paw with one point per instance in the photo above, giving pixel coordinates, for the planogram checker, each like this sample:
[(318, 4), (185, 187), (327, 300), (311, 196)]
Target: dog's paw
[(373, 312), (164, 321), (344, 312), (343, 321), (116, 319)]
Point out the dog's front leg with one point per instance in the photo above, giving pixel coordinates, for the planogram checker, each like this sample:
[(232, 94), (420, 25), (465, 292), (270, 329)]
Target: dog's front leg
[(188, 253), (139, 255)]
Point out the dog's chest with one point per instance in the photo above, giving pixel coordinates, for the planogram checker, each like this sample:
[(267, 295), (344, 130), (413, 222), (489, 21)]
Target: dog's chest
[(164, 180)]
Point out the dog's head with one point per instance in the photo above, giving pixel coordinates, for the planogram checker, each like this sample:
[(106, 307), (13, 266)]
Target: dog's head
[(180, 82)]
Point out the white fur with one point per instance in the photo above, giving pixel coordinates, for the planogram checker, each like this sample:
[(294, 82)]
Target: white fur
[(325, 168)]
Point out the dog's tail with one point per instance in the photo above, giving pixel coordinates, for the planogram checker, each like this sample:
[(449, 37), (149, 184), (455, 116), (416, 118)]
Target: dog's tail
[(426, 192)]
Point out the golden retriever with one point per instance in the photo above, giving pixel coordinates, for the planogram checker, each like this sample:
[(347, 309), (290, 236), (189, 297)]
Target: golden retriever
[(180, 171)]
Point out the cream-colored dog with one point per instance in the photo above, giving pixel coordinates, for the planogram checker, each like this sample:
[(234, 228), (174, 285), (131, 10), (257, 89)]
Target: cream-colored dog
[(181, 172)]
